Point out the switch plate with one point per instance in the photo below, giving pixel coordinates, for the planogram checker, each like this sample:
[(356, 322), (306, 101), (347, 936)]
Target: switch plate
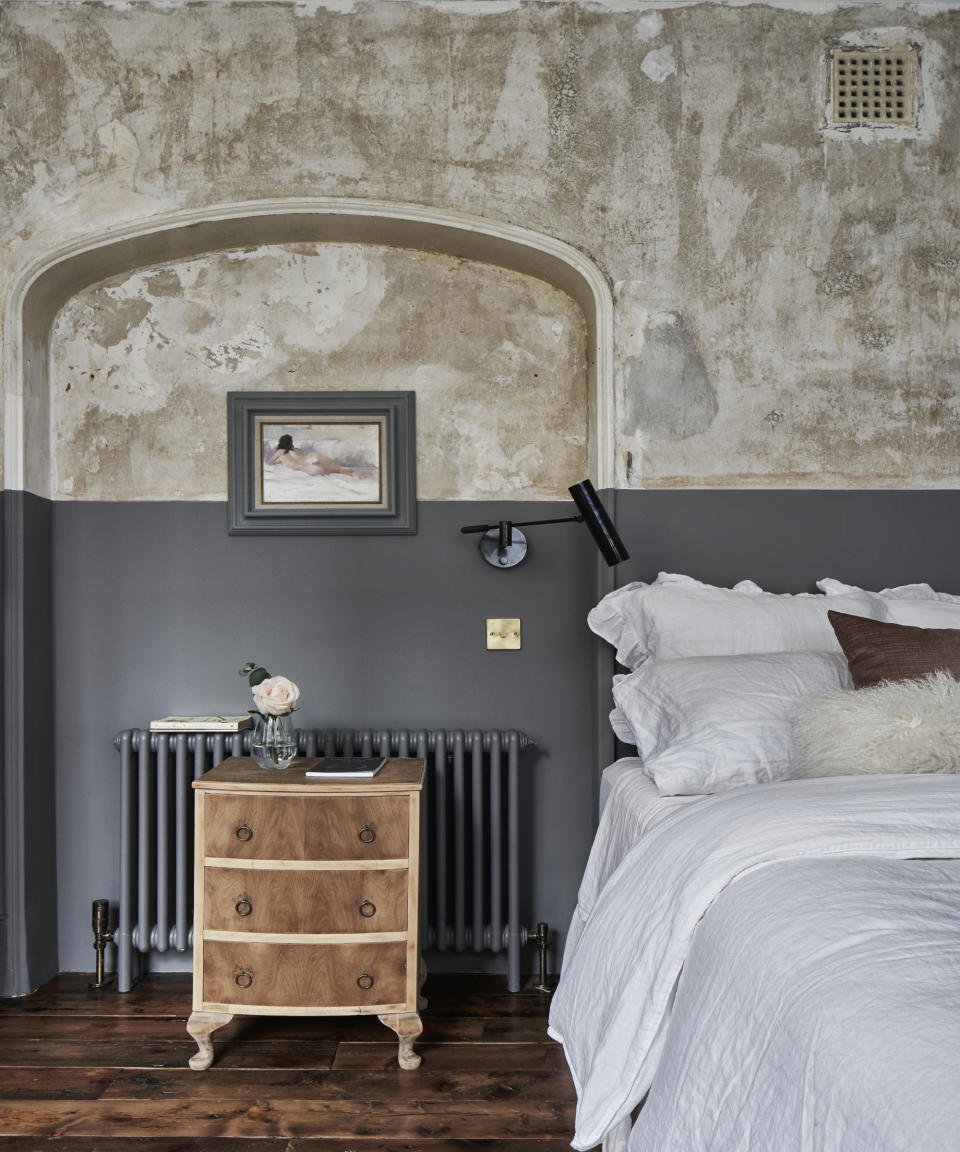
[(503, 634)]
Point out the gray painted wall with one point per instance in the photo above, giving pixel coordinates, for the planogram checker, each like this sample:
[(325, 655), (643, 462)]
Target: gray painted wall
[(156, 608), (29, 873), (786, 541)]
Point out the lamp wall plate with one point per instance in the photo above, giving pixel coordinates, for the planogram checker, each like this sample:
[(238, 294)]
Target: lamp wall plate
[(503, 557), (503, 634)]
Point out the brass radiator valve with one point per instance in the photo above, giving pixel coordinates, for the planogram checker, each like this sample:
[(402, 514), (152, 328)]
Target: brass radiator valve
[(101, 938)]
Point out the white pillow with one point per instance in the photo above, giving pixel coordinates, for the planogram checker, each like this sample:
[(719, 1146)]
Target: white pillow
[(706, 723), (621, 726), (903, 726), (677, 617), (915, 604)]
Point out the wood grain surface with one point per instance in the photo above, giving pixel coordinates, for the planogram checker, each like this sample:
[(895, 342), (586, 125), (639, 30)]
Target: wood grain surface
[(247, 826), (82, 1071), (305, 976), (254, 900)]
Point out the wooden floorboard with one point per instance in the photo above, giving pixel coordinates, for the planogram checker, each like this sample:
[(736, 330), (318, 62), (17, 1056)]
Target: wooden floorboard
[(84, 1071)]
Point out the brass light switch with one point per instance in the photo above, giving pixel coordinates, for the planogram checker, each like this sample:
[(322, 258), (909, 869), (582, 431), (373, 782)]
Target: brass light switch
[(503, 634)]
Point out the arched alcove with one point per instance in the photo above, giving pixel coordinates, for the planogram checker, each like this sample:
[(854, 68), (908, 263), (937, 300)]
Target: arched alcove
[(42, 289), (37, 295)]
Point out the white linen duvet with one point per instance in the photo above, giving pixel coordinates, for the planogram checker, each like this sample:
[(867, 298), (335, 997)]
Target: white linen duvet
[(819, 1008)]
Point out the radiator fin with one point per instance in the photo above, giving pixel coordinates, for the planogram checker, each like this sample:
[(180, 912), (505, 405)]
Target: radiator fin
[(470, 866)]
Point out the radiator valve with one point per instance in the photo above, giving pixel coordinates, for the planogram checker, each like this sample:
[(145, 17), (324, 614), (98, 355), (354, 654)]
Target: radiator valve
[(101, 938), (541, 938)]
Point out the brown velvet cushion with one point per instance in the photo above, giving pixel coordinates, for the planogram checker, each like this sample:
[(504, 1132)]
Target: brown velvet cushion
[(877, 651)]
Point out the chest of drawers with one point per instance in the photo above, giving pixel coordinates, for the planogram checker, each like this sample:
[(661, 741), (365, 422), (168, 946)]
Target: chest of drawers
[(306, 898)]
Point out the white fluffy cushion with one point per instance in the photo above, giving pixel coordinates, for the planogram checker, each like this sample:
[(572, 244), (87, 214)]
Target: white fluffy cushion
[(916, 605), (677, 617), (706, 723), (906, 726)]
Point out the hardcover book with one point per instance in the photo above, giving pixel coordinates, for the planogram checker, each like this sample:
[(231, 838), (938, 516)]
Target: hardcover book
[(200, 724), (348, 766)]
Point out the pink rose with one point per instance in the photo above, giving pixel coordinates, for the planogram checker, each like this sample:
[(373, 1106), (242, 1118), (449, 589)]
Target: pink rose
[(276, 696)]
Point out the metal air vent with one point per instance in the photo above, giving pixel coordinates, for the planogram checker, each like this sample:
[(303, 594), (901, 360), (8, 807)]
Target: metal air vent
[(875, 87)]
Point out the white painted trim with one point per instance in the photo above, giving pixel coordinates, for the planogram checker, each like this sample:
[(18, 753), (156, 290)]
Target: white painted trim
[(601, 420)]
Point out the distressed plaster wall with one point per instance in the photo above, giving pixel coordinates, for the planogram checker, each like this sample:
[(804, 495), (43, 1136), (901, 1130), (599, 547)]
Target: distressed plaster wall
[(809, 281), (141, 366)]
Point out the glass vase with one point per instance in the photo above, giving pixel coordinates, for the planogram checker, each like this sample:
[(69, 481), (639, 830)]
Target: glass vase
[(273, 744)]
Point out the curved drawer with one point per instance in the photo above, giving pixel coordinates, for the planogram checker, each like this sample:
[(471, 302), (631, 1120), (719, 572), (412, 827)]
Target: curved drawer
[(247, 826), (304, 975), (261, 900)]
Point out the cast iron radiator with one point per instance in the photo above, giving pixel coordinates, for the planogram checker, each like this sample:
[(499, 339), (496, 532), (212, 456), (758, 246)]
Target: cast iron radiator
[(470, 871)]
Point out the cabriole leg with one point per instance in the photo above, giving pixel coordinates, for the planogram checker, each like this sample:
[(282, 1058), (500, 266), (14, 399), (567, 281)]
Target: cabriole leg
[(407, 1027), (200, 1026)]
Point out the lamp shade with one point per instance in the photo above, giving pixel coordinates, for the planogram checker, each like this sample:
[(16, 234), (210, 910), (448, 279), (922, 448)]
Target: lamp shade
[(596, 519)]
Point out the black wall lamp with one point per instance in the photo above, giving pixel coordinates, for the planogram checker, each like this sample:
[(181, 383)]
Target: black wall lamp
[(504, 546)]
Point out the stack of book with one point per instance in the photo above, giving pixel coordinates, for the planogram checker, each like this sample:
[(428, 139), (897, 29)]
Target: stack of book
[(201, 724)]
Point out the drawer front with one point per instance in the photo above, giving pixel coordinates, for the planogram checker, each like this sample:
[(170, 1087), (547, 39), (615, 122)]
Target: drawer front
[(261, 900), (304, 975), (256, 827)]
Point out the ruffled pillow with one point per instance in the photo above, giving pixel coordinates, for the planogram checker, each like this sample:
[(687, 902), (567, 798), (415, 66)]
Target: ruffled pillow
[(917, 605), (678, 617)]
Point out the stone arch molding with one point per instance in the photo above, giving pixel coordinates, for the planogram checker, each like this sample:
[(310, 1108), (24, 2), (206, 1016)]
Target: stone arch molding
[(27, 866), (42, 289)]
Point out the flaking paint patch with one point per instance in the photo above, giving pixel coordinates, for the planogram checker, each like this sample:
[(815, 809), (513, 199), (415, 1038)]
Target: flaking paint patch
[(669, 394), (839, 282), (875, 338), (659, 64), (564, 90), (648, 27)]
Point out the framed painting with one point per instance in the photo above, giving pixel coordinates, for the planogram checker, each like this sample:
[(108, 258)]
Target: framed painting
[(324, 463)]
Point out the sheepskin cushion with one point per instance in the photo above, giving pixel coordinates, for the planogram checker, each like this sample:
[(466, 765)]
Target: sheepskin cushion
[(906, 726)]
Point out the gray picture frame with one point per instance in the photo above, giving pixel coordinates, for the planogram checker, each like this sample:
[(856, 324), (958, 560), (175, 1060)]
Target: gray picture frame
[(373, 493)]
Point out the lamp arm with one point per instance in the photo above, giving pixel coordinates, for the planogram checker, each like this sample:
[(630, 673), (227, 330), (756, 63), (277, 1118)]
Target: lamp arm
[(520, 524), (556, 520)]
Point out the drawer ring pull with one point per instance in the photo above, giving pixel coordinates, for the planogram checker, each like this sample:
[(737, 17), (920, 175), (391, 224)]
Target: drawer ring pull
[(365, 981), (244, 832), (243, 979), (366, 835), (243, 906), (368, 908)]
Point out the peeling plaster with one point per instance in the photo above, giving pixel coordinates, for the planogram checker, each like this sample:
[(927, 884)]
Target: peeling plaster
[(649, 26), (876, 339), (668, 392), (815, 278), (839, 282), (659, 64), (142, 365)]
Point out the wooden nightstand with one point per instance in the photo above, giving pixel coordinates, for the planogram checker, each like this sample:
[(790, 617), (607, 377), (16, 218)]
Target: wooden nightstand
[(306, 898)]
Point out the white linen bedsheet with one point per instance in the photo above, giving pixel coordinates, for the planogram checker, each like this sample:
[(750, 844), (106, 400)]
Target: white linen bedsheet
[(621, 966), (818, 1011), (630, 806)]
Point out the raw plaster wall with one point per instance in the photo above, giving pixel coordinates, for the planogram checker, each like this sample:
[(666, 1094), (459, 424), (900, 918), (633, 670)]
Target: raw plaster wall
[(141, 367), (787, 301)]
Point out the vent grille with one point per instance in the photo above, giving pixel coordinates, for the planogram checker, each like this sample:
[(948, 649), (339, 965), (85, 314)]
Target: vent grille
[(874, 87)]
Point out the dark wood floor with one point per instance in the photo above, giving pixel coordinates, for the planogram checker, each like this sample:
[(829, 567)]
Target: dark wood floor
[(82, 1071)]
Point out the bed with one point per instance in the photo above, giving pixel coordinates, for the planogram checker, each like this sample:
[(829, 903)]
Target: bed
[(766, 948)]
